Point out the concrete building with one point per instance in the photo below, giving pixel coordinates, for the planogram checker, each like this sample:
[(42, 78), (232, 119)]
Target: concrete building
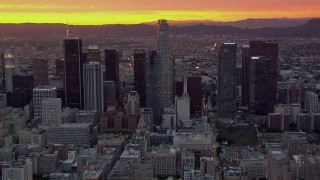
[(109, 94), (312, 168), (71, 133), (133, 107), (278, 166), (292, 109), (84, 116), (93, 87), (169, 119), (142, 171), (131, 155), (51, 111), (18, 169), (300, 164), (182, 104), (278, 121), (47, 163), (40, 93), (164, 161), (311, 102), (194, 142), (304, 122), (254, 164)]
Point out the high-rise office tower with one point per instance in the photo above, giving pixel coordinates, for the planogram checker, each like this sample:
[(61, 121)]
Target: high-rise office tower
[(258, 101), (93, 87), (51, 111), (270, 51), (109, 94), (10, 67), (245, 72), (40, 93), (226, 79), (40, 72), (195, 92), (153, 68), (18, 169), (112, 68), (133, 103), (182, 103), (166, 77), (93, 54), (2, 72), (73, 72), (140, 58)]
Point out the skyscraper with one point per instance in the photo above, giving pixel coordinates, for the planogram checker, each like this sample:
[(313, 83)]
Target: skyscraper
[(166, 77), (10, 67), (112, 68), (133, 103), (40, 93), (73, 72), (40, 72), (93, 54), (153, 68), (140, 58), (270, 51), (93, 87), (258, 101), (52, 111), (245, 75), (226, 79)]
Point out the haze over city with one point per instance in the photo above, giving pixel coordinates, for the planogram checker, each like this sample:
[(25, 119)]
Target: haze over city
[(97, 12)]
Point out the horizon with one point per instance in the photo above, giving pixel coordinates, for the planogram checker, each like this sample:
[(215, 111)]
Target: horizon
[(173, 22), (103, 12)]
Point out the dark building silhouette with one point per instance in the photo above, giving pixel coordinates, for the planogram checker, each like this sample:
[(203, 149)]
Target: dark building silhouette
[(258, 103), (270, 51), (153, 85), (18, 99), (140, 58), (112, 68), (288, 93), (245, 76), (93, 54), (227, 80), (73, 72), (23, 83), (59, 68), (195, 91), (40, 72), (109, 94)]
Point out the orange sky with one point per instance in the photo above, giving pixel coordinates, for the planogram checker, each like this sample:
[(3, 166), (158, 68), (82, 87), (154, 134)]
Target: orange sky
[(138, 11)]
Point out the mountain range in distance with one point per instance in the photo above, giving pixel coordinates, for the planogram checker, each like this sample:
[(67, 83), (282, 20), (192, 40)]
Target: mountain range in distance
[(303, 27), (246, 23)]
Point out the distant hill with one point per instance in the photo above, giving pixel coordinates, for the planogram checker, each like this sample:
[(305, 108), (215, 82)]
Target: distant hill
[(247, 23), (309, 29)]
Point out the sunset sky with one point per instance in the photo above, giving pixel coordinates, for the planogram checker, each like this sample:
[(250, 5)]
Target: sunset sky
[(139, 11)]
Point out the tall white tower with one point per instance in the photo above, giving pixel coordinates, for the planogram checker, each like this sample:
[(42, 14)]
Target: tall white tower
[(182, 104), (133, 106), (166, 73), (10, 67), (93, 87)]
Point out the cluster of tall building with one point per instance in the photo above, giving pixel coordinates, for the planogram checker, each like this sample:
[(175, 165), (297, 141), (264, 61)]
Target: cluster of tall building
[(258, 78)]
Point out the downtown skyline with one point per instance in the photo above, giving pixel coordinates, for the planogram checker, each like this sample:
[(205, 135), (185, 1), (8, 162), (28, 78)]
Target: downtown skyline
[(98, 12)]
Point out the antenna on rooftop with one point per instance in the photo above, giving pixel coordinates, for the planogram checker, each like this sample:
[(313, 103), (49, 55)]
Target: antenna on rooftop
[(67, 27)]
